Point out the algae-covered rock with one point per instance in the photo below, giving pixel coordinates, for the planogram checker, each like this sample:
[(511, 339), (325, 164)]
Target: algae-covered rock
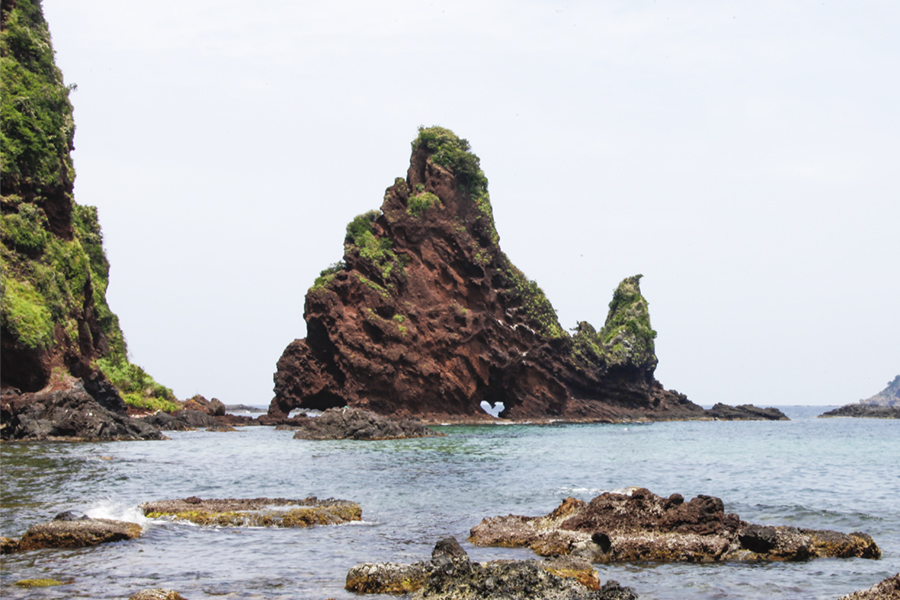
[(255, 512), (77, 533), (450, 575), (38, 583), (640, 526)]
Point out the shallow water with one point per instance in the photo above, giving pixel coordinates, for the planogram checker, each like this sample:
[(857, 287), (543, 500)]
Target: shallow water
[(820, 473)]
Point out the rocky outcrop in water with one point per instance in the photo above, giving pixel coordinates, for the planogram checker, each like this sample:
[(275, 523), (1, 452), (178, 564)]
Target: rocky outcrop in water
[(883, 405), (864, 411), (745, 412), (426, 316), (358, 424), (889, 589), (71, 410), (255, 512), (68, 530), (450, 575), (641, 526)]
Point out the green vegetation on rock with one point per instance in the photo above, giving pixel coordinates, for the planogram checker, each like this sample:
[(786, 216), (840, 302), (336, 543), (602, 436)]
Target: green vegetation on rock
[(421, 202), (452, 152), (532, 299), (376, 250), (626, 337), (54, 270), (36, 125)]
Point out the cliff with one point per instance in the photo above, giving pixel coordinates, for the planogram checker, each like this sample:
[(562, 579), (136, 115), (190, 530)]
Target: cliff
[(889, 396), (426, 316), (55, 319)]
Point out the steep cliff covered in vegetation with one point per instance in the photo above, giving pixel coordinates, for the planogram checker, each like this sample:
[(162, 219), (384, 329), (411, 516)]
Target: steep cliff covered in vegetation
[(55, 319), (425, 315)]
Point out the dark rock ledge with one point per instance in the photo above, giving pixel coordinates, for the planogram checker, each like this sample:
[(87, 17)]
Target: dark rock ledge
[(641, 526), (69, 530), (450, 575), (256, 512), (745, 412), (357, 424)]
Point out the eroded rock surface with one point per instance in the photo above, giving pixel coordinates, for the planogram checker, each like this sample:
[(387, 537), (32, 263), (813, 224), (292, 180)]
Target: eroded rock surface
[(450, 575), (256, 512), (358, 424), (641, 526), (889, 589), (426, 316)]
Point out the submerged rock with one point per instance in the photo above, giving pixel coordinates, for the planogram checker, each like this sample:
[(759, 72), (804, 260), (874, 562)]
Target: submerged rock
[(889, 589), (157, 594), (67, 532), (256, 512), (426, 316), (450, 575), (357, 424), (641, 526), (745, 412)]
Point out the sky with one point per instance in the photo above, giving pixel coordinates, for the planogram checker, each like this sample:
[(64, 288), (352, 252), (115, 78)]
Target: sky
[(743, 157)]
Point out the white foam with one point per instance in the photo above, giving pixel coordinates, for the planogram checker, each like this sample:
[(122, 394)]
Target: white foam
[(119, 511)]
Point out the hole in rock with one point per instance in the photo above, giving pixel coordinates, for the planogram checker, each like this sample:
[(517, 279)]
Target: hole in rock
[(493, 410)]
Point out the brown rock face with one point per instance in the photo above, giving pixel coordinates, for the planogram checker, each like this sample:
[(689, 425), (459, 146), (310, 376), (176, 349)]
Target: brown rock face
[(426, 316)]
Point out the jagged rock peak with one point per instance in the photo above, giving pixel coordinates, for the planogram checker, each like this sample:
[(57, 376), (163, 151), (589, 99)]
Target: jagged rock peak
[(425, 315)]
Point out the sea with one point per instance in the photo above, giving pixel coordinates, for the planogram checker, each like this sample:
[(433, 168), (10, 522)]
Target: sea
[(840, 474)]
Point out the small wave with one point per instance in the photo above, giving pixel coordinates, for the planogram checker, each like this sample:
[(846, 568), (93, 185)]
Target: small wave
[(571, 490), (118, 511)]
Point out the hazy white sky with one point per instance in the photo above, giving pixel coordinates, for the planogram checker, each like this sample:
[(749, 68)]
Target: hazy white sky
[(745, 157)]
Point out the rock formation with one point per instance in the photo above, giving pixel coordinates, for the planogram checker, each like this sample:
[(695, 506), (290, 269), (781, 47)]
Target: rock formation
[(745, 412), (641, 526), (255, 512), (68, 530), (71, 409), (357, 424), (425, 315), (883, 405), (450, 575), (889, 589), (53, 317)]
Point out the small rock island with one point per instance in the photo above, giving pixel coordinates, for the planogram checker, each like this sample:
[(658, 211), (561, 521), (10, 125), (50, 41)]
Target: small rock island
[(426, 316)]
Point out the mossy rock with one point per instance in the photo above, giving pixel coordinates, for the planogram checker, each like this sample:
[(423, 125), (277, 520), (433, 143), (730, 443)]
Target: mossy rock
[(257, 512), (39, 583)]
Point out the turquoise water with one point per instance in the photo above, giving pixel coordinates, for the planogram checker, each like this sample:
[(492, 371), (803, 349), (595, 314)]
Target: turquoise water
[(821, 473)]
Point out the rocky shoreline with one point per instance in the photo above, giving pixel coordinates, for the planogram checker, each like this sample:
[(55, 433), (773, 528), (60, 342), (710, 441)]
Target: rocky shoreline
[(638, 525)]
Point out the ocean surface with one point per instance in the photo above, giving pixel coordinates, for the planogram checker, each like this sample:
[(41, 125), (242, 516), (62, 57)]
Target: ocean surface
[(841, 474)]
